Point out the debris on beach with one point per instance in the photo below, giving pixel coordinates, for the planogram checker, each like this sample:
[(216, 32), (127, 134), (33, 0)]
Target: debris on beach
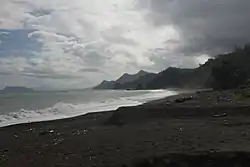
[(58, 141), (76, 132), (243, 134), (225, 122), (184, 99), (220, 115), (44, 132)]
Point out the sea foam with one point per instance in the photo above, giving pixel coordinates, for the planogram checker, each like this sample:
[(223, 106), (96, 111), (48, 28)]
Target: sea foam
[(66, 110)]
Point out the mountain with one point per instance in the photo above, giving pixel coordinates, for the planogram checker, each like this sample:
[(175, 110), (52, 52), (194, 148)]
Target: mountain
[(105, 85), (231, 70), (125, 78), (171, 78), (181, 78), (225, 71), (140, 83), (17, 90)]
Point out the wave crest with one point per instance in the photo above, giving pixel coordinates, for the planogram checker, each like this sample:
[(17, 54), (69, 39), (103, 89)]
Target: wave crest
[(66, 110)]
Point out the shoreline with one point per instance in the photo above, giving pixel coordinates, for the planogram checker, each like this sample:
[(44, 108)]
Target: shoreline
[(191, 128), (81, 115)]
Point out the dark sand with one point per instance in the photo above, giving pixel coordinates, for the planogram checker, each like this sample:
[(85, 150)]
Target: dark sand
[(209, 129)]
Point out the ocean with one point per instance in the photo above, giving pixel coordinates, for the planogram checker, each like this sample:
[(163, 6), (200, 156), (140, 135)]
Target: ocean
[(17, 108)]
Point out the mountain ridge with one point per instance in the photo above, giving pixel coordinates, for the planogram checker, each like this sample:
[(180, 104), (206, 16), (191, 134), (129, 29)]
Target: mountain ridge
[(225, 71), (125, 78), (131, 77)]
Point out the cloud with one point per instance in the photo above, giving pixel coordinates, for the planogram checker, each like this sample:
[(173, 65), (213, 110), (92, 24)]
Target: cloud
[(61, 44), (80, 37), (41, 12), (204, 26)]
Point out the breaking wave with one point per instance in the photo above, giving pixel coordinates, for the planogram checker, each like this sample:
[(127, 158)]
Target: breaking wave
[(66, 110)]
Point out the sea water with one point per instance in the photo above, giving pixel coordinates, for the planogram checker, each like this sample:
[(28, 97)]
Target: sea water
[(17, 108)]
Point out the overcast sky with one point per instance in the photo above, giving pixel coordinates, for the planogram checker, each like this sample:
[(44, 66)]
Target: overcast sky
[(60, 44)]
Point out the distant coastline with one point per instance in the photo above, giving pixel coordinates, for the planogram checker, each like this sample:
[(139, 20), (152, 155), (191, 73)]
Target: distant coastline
[(10, 89)]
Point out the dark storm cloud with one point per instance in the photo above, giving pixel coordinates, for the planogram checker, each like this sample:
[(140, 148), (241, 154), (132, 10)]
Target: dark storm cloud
[(208, 26)]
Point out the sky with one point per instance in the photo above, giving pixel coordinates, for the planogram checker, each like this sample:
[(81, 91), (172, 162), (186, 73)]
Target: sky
[(62, 44)]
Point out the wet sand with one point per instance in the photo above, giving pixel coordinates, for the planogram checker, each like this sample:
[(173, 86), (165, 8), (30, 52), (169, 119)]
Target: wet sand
[(204, 129)]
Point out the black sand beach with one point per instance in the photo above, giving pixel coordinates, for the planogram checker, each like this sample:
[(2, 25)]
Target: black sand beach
[(203, 129)]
